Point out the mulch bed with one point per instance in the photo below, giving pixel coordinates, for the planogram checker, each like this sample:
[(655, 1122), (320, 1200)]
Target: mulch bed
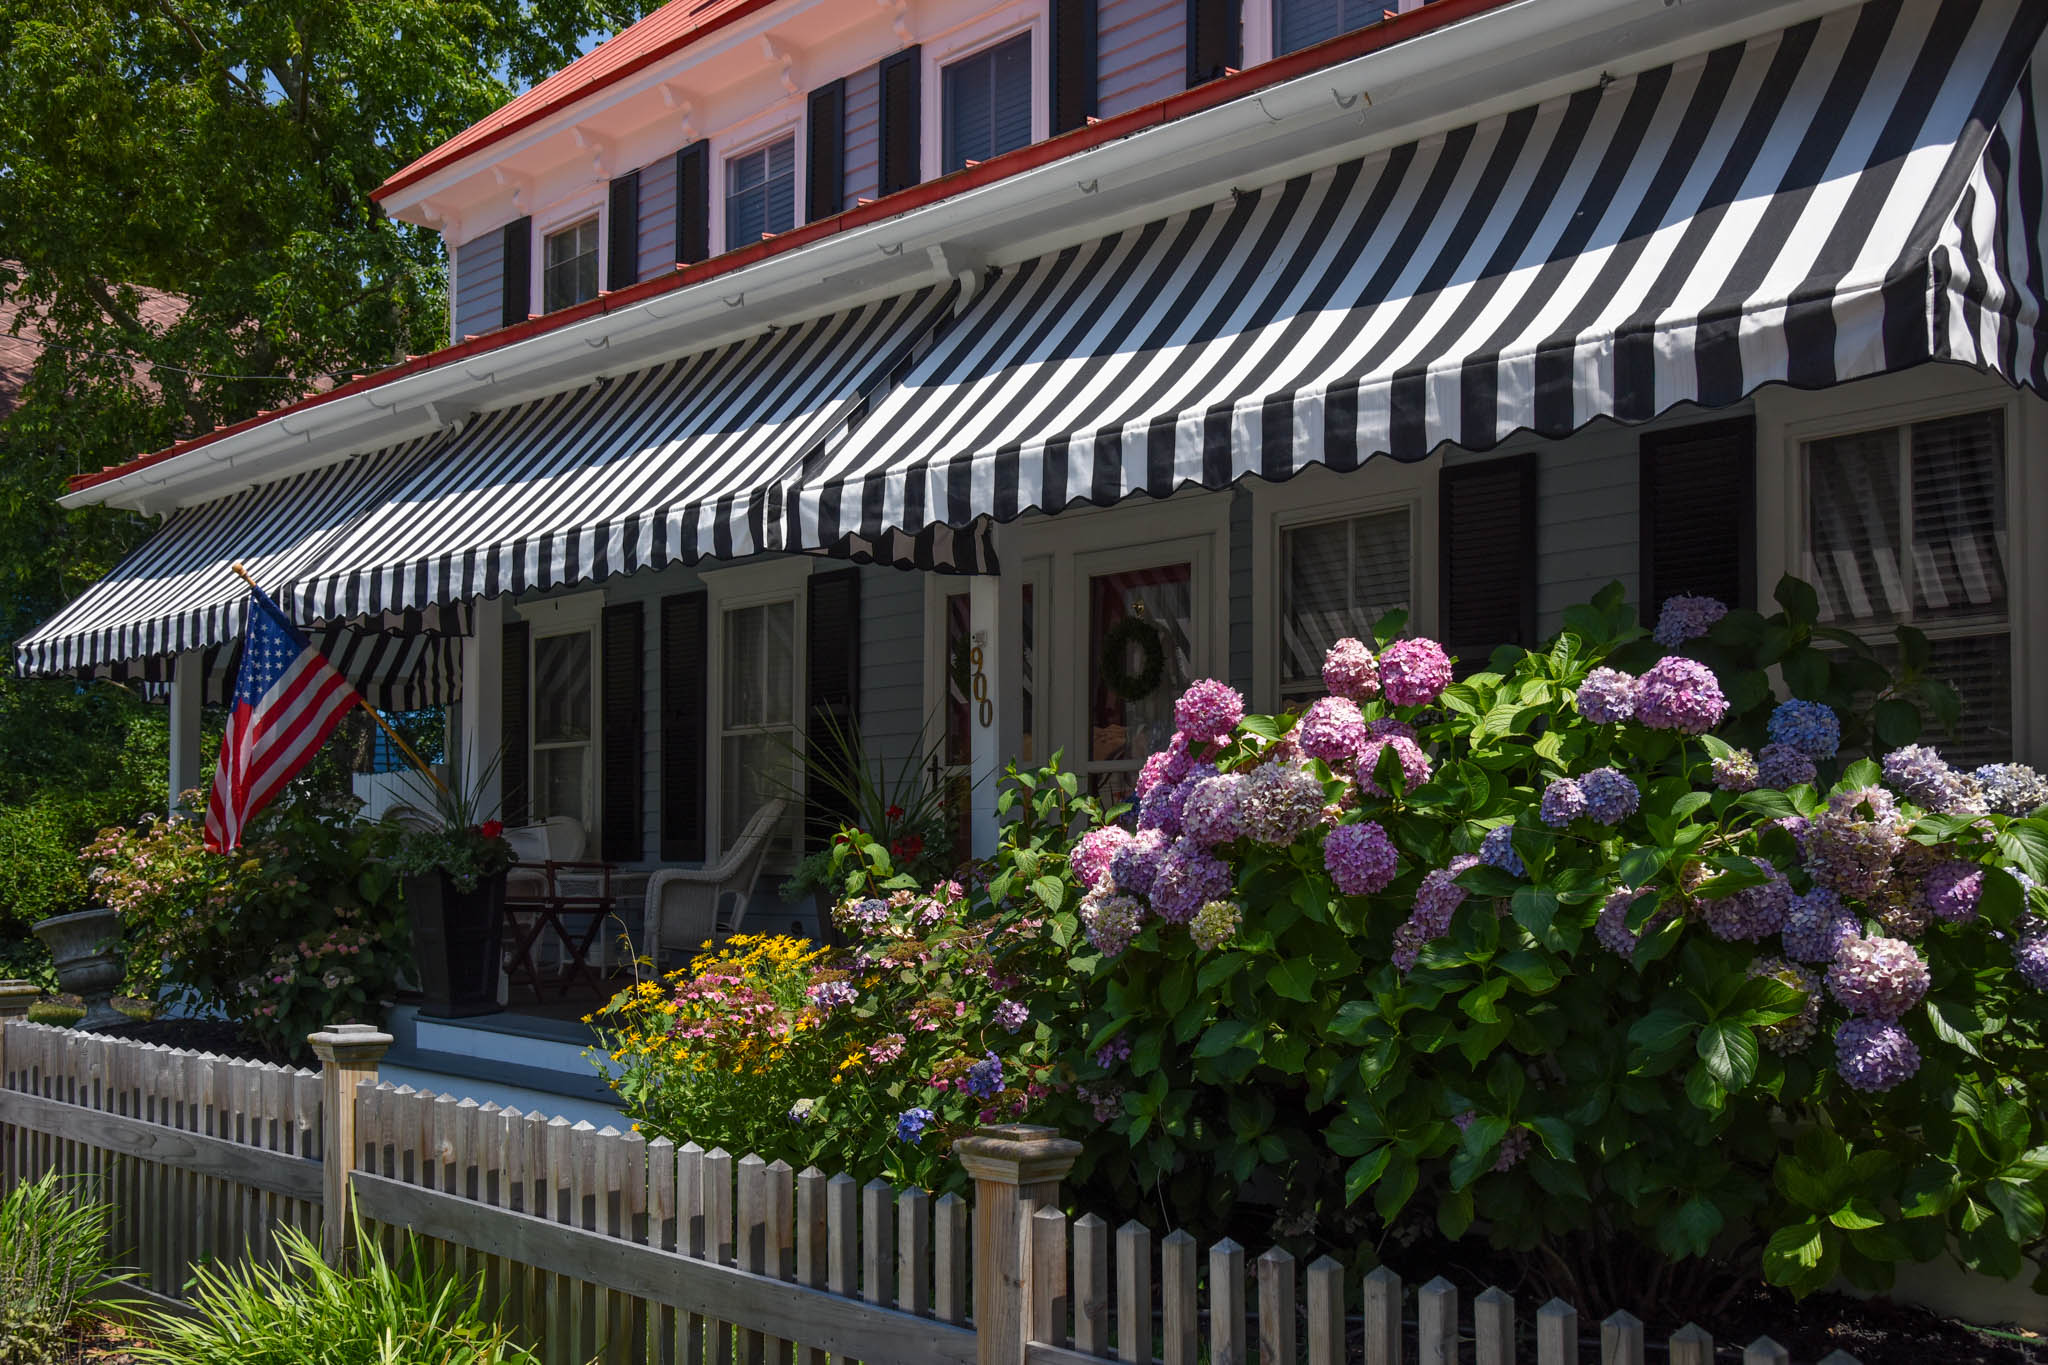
[(218, 1036), (1875, 1331)]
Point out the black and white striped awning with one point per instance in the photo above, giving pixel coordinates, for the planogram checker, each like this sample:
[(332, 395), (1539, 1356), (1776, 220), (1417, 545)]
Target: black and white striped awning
[(1845, 198), (687, 460), (401, 667)]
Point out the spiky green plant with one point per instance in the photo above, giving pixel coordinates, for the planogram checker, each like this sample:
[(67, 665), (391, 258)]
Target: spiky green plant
[(53, 1257)]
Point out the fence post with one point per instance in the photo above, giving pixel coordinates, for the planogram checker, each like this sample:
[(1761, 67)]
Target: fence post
[(1017, 1169), (348, 1054)]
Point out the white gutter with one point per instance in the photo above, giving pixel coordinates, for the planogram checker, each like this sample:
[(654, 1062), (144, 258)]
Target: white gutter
[(1492, 61)]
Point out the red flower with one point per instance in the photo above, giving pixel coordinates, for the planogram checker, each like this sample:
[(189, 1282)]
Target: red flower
[(909, 846), (492, 829), (894, 812)]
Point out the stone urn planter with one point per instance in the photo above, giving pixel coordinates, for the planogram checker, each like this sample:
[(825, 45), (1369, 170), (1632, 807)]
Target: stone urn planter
[(88, 966)]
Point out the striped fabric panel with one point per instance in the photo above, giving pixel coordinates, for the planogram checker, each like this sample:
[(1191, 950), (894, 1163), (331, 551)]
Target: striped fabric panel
[(1768, 211)]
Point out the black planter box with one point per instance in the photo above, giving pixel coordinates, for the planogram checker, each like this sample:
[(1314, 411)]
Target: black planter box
[(457, 943)]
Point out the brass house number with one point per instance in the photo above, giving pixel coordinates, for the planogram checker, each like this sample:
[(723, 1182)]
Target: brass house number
[(984, 709)]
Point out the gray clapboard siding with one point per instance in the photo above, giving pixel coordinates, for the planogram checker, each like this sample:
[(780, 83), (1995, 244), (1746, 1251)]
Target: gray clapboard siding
[(1140, 53), (891, 662), (863, 135), (657, 217), (479, 287)]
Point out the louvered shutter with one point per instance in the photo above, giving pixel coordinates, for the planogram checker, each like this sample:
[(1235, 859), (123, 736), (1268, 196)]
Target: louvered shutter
[(518, 281), (622, 245), (515, 768), (1486, 543), (1213, 39), (693, 203), (832, 659), (684, 658), (1698, 528), (901, 127), (1071, 80), (623, 722), (825, 144)]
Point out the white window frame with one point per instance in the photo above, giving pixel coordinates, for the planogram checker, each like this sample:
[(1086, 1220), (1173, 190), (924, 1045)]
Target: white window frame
[(942, 50), (1261, 29), (1787, 419), (1036, 571), (563, 213), (574, 614), (783, 119), (728, 589), (1319, 494)]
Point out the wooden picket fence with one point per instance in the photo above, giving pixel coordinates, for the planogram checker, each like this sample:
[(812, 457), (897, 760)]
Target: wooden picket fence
[(593, 1245)]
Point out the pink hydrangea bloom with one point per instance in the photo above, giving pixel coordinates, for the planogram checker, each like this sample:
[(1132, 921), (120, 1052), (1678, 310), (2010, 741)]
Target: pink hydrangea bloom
[(1350, 672), (1414, 672), (1208, 710), (1680, 694), (1360, 858), (1414, 763), (1331, 729), (1092, 852)]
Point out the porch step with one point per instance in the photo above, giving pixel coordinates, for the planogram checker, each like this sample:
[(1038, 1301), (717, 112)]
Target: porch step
[(530, 1062)]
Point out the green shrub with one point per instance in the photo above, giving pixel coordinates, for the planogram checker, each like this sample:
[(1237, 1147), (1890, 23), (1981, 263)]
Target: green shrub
[(53, 1257), (303, 1310)]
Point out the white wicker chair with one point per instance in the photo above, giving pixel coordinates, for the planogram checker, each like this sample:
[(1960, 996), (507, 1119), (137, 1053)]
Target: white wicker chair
[(685, 905)]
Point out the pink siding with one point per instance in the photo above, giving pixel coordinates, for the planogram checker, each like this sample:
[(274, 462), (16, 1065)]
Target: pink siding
[(1140, 53), (479, 284), (657, 217), (863, 135)]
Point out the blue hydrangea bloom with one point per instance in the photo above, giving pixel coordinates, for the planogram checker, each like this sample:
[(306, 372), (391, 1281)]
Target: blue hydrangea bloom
[(1811, 727), (1497, 849)]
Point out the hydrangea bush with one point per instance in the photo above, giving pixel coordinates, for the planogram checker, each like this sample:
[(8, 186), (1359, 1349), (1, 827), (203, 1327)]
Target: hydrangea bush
[(1603, 945)]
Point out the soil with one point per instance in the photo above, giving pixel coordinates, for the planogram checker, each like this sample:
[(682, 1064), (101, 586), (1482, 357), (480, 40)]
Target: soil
[(218, 1036)]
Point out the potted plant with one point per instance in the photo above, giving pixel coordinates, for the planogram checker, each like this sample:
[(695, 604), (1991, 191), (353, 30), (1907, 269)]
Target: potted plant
[(454, 866), (85, 947)]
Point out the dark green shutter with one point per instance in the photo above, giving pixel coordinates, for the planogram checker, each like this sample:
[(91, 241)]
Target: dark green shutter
[(517, 299), (1698, 530), (825, 141), (622, 245), (1486, 545), (1214, 46), (623, 721), (685, 657), (902, 131), (832, 663), (1072, 78), (515, 769), (693, 203)]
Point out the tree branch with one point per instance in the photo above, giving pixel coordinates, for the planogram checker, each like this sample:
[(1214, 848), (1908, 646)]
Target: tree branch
[(198, 41)]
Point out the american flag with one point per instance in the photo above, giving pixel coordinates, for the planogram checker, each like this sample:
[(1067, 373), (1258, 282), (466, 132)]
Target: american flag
[(288, 699)]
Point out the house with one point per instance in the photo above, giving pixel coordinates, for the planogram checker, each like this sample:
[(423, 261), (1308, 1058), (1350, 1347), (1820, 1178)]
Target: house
[(798, 350)]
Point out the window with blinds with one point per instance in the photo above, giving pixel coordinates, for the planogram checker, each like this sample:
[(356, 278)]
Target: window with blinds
[(1907, 525), (1300, 23), (760, 193), (1336, 579), (987, 103)]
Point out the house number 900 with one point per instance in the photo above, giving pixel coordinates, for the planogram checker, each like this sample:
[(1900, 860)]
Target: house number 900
[(984, 709)]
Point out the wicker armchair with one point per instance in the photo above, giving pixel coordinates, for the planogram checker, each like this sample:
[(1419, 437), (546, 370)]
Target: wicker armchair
[(686, 905)]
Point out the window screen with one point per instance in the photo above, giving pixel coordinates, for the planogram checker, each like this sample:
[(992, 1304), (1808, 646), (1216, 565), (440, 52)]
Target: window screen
[(988, 103), (1337, 578), (569, 275), (760, 193)]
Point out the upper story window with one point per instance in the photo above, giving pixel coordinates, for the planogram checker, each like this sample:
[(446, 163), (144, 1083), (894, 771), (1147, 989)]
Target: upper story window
[(986, 107), (760, 192), (1337, 578), (1300, 23), (569, 266)]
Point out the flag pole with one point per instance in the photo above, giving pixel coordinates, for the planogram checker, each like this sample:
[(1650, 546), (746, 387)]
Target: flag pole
[(375, 714)]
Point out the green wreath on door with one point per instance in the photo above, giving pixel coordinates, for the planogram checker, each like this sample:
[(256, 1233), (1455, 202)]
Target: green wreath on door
[(1142, 682)]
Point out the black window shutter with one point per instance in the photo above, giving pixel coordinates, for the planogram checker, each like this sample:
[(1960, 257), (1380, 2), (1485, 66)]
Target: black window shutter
[(825, 138), (1486, 545), (901, 126), (514, 768), (518, 281), (622, 249), (623, 721), (1213, 39), (693, 203), (1072, 78), (684, 658), (1698, 530), (832, 656)]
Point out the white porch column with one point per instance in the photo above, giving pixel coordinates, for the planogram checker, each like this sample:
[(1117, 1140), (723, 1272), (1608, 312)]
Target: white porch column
[(188, 689), (483, 706), (989, 686)]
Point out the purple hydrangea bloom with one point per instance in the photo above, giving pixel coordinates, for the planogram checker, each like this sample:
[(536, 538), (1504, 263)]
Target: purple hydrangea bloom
[(985, 1078), (2011, 788), (1011, 1015), (1093, 851), (1923, 777), (1277, 803), (1162, 806), (2030, 953), (1680, 694), (1879, 978), (1686, 618), (1349, 671), (1737, 772), (1414, 672), (1497, 849), (1188, 876), (1755, 912), (1215, 924), (1331, 729), (911, 1123), (830, 995), (1168, 765), (1874, 1055), (1360, 858), (1208, 710), (1611, 927), (1514, 1144), (1795, 1033), (1387, 727), (1111, 921), (1414, 763), (1952, 891), (1811, 727), (1562, 803), (1133, 866), (1817, 924), (1113, 1051), (1610, 797), (1781, 766), (1436, 900), (1849, 847), (1607, 696), (1209, 816)]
